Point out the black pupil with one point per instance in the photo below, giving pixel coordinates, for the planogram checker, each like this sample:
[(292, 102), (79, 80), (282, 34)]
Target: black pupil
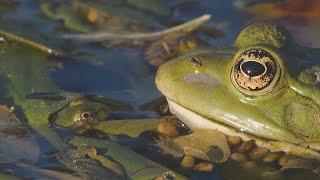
[(86, 115), (252, 68)]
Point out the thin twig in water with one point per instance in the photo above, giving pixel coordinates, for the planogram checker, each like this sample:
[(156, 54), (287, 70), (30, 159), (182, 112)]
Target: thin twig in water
[(106, 36), (6, 36)]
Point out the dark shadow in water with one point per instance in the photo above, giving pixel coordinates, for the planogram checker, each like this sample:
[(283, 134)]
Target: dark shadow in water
[(81, 76)]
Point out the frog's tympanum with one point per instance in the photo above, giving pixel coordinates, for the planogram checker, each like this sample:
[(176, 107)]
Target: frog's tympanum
[(264, 86)]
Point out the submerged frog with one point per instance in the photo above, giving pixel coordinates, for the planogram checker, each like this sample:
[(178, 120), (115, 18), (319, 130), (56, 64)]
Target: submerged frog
[(263, 87)]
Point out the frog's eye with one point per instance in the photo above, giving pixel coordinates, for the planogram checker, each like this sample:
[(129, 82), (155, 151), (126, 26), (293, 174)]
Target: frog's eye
[(255, 72), (86, 116)]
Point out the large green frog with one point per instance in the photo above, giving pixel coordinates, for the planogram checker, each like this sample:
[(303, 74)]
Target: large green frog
[(264, 86)]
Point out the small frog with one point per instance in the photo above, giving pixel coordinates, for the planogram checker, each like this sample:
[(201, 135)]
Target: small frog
[(264, 87)]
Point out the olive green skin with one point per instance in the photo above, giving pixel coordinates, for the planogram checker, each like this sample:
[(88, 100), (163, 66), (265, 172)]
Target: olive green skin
[(288, 112), (81, 113)]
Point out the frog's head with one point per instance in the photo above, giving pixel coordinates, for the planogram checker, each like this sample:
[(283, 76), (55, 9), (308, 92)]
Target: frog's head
[(263, 84), (80, 113)]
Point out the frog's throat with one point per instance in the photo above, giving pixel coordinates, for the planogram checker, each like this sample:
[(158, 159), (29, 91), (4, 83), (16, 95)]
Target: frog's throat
[(197, 122)]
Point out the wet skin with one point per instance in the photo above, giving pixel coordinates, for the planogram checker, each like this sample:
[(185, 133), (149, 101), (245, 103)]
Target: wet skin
[(263, 84)]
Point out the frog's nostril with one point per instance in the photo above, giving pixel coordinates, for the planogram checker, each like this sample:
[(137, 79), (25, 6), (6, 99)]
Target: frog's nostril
[(310, 76), (196, 62)]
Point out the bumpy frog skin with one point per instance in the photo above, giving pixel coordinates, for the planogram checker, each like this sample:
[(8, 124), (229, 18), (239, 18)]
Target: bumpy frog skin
[(264, 85)]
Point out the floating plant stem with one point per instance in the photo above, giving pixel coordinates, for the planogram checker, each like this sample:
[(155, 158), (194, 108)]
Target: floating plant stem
[(6, 36), (107, 36)]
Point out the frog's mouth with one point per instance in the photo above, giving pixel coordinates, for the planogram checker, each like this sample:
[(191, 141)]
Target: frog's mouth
[(194, 120), (197, 122)]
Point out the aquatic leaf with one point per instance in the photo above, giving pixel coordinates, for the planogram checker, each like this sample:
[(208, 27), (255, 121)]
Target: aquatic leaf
[(141, 129), (170, 147), (47, 173), (132, 127), (106, 162), (136, 166), (9, 177), (88, 16), (287, 162), (64, 12), (208, 145), (75, 159), (117, 16), (16, 142)]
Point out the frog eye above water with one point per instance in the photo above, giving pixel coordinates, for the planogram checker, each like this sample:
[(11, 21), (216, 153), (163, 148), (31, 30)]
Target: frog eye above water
[(255, 72), (86, 116)]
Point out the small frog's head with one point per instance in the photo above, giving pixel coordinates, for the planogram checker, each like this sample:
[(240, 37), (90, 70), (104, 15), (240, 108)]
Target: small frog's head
[(80, 113), (263, 84)]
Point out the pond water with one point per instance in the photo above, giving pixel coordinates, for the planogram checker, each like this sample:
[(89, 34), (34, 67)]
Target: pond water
[(121, 70)]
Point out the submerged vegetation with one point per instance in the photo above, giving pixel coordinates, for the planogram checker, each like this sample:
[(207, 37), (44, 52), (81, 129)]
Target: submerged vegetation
[(78, 98)]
